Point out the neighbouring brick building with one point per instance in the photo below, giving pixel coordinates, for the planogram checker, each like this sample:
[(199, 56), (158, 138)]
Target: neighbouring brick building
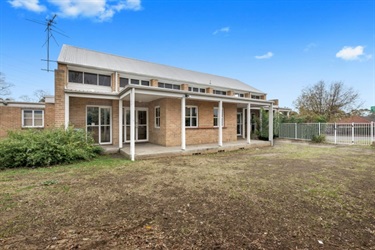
[(120, 100)]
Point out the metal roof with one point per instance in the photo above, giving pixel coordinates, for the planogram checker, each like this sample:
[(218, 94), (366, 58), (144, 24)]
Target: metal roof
[(88, 58)]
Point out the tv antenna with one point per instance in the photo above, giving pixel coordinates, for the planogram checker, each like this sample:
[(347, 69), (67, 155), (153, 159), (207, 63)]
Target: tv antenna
[(50, 28)]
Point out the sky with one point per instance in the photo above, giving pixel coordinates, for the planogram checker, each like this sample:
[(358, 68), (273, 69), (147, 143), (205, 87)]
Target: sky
[(277, 46)]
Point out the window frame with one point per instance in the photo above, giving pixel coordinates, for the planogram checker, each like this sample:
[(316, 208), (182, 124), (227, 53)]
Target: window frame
[(191, 117), (32, 118), (217, 118), (157, 118)]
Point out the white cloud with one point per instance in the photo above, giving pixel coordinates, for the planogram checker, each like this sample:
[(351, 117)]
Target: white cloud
[(268, 55), (222, 30), (31, 5), (310, 46), (102, 10), (353, 53)]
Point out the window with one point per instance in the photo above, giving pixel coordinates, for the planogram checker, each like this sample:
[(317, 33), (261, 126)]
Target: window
[(219, 92), (191, 116), (157, 117), (255, 97), (195, 89), (104, 80), (239, 95), (134, 81), (124, 82), (216, 117), (33, 118), (168, 86), (89, 78), (145, 83), (75, 76)]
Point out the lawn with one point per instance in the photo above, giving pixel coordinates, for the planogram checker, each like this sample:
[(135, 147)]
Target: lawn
[(291, 196)]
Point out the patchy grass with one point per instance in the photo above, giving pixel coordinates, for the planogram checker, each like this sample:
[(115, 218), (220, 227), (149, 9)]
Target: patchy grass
[(291, 196)]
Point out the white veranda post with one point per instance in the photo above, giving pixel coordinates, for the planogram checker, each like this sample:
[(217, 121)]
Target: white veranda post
[(132, 124), (270, 124), (120, 118), (220, 123), (248, 121), (183, 140)]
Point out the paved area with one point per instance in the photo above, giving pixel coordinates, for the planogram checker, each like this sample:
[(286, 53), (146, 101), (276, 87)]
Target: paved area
[(149, 150)]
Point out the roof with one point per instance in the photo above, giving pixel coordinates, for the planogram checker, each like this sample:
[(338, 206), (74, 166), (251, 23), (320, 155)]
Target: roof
[(355, 119), (88, 58)]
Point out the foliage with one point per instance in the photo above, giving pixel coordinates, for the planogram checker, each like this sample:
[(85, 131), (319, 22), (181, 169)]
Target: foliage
[(4, 86), (326, 102), (262, 124), (38, 148), (318, 138), (39, 96)]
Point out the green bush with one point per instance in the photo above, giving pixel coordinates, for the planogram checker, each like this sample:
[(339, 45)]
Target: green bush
[(39, 148), (318, 138)]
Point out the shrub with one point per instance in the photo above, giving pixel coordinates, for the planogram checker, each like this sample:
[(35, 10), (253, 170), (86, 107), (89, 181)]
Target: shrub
[(318, 138), (38, 148)]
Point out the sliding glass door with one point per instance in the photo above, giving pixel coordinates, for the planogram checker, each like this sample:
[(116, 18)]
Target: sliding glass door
[(98, 124), (141, 125)]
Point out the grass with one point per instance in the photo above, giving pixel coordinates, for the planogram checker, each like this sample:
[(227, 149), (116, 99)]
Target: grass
[(288, 196)]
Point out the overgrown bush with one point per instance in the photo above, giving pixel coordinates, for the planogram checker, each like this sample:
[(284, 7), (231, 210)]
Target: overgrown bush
[(318, 138), (39, 148)]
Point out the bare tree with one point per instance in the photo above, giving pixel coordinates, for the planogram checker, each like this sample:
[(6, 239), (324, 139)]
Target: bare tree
[(39, 96), (331, 101), (4, 86)]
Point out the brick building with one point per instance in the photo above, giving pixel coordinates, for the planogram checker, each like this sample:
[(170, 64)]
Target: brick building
[(125, 101)]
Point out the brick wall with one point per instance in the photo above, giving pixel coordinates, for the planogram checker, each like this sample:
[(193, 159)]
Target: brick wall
[(10, 119), (60, 83)]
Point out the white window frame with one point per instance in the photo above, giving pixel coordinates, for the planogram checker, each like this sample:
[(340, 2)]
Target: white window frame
[(99, 123), (157, 118), (32, 118), (217, 118), (189, 107)]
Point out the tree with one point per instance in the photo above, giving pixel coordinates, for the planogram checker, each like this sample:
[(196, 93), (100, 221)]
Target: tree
[(323, 102), (39, 96), (4, 86)]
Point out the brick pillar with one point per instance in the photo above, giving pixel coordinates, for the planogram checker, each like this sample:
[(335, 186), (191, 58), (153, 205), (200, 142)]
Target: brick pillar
[(115, 122), (60, 83), (264, 97), (185, 87), (114, 86), (230, 93), (209, 90), (154, 83), (248, 95)]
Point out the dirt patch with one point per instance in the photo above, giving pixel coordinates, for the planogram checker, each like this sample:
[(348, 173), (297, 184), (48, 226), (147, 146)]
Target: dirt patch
[(286, 197)]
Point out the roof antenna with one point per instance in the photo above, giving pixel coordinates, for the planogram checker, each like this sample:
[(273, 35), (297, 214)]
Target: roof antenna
[(50, 26)]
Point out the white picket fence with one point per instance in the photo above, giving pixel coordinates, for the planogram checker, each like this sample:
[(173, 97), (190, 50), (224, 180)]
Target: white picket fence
[(337, 133)]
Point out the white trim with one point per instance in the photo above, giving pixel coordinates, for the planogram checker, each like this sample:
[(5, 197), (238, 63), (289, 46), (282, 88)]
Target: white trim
[(241, 123), (155, 125), (120, 122), (228, 99), (66, 111), (32, 118), (220, 123), (23, 105), (223, 120), (91, 95), (159, 92), (136, 110), (183, 129), (99, 125), (196, 107), (132, 124), (248, 120)]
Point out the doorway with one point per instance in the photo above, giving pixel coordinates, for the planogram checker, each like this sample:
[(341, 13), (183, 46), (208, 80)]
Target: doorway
[(141, 125)]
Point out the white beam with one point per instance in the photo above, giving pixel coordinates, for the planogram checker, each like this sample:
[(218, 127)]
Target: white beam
[(132, 124), (270, 124), (248, 121), (220, 120), (243, 123), (120, 121), (66, 122), (183, 131)]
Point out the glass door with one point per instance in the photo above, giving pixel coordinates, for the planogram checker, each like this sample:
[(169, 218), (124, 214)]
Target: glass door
[(98, 124), (141, 125), (239, 124)]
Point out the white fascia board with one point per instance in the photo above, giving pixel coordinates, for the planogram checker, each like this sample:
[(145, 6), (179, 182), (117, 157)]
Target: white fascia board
[(91, 95), (25, 105), (227, 99)]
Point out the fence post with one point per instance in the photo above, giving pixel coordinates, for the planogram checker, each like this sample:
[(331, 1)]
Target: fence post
[(372, 133), (352, 132), (295, 131), (319, 128), (335, 134)]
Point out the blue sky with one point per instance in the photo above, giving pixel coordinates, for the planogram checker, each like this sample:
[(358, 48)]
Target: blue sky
[(279, 47)]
